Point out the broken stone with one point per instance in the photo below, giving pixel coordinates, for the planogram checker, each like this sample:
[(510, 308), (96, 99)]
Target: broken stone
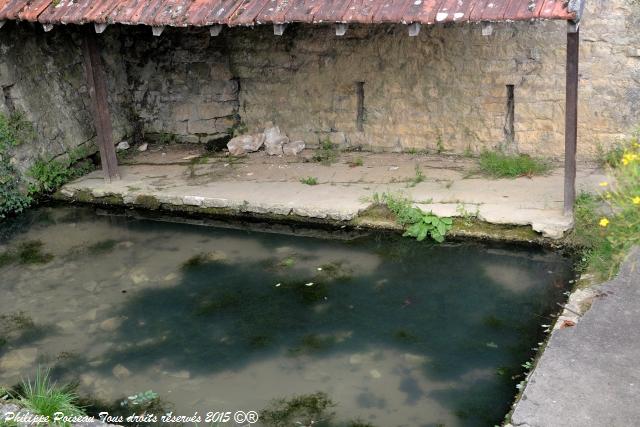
[(274, 147), (293, 148), (123, 145), (241, 145), (143, 147), (274, 139)]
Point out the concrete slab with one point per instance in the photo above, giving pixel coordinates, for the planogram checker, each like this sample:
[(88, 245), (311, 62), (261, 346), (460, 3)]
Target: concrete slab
[(447, 185), (588, 375)]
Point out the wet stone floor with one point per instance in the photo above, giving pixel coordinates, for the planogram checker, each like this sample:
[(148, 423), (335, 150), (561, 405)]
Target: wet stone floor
[(335, 329)]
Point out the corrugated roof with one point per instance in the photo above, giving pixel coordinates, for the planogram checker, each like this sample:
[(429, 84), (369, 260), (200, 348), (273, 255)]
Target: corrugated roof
[(253, 12)]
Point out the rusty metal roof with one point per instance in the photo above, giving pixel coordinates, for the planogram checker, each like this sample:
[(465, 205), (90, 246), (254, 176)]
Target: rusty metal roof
[(253, 12)]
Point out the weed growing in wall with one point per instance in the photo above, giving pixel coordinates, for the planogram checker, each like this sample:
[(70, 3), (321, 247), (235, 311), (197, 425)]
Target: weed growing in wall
[(14, 131), (608, 225)]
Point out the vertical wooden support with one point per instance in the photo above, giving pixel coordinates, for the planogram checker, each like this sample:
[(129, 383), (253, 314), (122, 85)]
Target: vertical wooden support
[(96, 80), (571, 118)]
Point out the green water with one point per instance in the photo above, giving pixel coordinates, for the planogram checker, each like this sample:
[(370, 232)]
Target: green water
[(394, 332)]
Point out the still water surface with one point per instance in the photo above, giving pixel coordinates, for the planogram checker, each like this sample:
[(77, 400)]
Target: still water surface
[(394, 332)]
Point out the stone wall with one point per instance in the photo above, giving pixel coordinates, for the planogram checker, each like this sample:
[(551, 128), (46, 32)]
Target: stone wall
[(181, 84), (42, 76), (445, 89)]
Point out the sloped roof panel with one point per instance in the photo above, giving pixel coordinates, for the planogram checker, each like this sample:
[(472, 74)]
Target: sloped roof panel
[(252, 12)]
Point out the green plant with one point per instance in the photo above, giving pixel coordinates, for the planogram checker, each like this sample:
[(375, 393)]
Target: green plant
[(139, 399), (327, 153), (500, 165), (417, 178), (305, 410), (15, 130), (356, 162), (49, 175), (309, 180), (439, 145), (608, 226), (417, 223), (612, 156), (44, 397)]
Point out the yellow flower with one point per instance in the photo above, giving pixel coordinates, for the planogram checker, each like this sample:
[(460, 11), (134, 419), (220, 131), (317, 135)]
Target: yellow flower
[(607, 195), (604, 222), (604, 184), (628, 158), (636, 200), (625, 161)]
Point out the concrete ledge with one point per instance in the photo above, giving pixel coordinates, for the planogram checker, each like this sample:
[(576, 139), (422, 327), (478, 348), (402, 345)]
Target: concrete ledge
[(588, 374)]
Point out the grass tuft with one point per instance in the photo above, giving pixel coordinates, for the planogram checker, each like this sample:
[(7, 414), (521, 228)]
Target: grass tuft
[(500, 165), (44, 397)]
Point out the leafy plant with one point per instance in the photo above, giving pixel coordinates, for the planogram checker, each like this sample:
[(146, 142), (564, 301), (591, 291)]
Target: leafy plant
[(52, 174), (140, 399), (608, 226), (44, 397), (15, 130), (417, 178), (326, 154), (500, 165), (417, 223), (309, 180)]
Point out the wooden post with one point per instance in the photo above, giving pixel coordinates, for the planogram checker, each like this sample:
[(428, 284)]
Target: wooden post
[(571, 118), (96, 80)]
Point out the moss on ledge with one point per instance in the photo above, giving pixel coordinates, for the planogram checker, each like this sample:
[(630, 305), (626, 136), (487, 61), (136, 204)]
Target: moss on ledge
[(376, 217)]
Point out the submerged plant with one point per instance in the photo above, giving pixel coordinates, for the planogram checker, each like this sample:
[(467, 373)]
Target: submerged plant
[(303, 410), (102, 246), (44, 397), (313, 343), (140, 399), (30, 252)]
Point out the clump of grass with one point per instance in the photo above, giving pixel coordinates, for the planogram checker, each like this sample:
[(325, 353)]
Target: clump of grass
[(500, 165), (306, 409), (309, 180), (608, 237), (326, 154), (43, 397)]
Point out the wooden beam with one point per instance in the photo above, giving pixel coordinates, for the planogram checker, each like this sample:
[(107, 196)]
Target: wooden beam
[(100, 27), (571, 118), (215, 30), (278, 29), (341, 30), (96, 80)]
